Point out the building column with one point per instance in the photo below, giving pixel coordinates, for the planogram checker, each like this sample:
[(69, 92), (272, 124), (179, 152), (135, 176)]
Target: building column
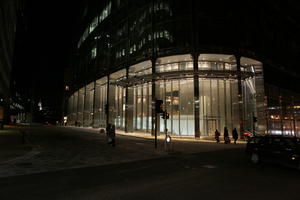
[(240, 95), (196, 96), (77, 107), (94, 100), (108, 103), (128, 105), (153, 88), (84, 108)]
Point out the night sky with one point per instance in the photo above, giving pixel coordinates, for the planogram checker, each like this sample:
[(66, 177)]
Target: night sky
[(43, 48)]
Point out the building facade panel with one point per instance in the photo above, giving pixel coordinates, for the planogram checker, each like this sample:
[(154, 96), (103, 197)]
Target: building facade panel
[(186, 53)]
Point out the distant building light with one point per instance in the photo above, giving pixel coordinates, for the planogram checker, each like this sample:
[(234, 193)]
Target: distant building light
[(65, 119), (40, 106)]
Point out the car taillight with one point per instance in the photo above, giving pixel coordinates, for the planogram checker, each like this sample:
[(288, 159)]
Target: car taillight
[(247, 134)]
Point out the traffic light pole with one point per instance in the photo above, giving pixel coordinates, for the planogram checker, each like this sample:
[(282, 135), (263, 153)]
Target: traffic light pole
[(155, 130), (158, 109), (165, 118)]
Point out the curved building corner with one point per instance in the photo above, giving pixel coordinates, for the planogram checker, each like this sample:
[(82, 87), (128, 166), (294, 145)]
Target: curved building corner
[(132, 53)]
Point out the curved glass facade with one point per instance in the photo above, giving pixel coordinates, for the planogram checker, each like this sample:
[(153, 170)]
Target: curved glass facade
[(128, 96), (143, 51)]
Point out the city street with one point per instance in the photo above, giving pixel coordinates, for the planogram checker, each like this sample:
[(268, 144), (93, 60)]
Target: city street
[(133, 170), (55, 148)]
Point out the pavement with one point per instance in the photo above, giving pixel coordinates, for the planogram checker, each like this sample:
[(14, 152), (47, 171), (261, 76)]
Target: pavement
[(50, 148), (13, 144)]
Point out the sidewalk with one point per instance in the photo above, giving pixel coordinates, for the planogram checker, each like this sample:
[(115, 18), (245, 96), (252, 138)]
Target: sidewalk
[(56, 148), (179, 144), (161, 137), (12, 145)]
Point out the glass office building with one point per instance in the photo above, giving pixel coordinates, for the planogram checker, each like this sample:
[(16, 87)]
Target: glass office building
[(132, 53), (128, 93)]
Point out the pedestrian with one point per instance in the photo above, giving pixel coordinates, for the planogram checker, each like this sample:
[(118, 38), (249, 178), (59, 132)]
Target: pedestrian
[(108, 130), (235, 135), (217, 136), (76, 123), (113, 135), (226, 136)]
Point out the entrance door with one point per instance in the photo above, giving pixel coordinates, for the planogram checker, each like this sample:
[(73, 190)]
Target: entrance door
[(211, 127)]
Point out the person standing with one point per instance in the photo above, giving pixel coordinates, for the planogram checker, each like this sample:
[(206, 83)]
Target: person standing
[(226, 136), (217, 136), (235, 135)]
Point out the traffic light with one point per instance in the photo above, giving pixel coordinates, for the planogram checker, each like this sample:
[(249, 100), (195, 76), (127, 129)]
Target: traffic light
[(254, 119), (159, 106)]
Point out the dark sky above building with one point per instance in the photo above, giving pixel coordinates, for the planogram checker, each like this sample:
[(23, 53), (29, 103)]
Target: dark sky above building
[(43, 48)]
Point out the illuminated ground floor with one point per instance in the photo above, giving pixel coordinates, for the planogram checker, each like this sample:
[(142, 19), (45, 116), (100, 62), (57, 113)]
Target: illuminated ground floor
[(200, 94)]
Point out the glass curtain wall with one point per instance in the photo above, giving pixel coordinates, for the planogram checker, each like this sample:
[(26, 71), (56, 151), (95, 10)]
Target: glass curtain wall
[(142, 96), (117, 99), (253, 95), (80, 106), (218, 105), (75, 107), (218, 97), (88, 105), (100, 102), (71, 110), (142, 111), (174, 63), (177, 94), (178, 98)]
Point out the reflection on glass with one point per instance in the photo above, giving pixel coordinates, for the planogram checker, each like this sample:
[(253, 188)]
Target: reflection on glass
[(217, 105), (142, 107), (100, 102), (178, 97)]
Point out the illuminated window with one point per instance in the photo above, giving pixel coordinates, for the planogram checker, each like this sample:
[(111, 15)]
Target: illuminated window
[(96, 21)]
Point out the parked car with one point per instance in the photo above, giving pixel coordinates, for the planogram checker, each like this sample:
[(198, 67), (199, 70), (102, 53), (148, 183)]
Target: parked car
[(283, 150)]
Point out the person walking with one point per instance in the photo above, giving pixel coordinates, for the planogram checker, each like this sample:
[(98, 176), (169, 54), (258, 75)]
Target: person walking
[(226, 136), (108, 130), (113, 135), (235, 135), (217, 136)]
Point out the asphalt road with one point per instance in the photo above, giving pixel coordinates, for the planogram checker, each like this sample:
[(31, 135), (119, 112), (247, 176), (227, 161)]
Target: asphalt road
[(56, 148), (215, 174)]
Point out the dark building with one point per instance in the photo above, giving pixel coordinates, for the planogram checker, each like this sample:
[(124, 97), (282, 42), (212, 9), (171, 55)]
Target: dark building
[(207, 60), (8, 22)]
